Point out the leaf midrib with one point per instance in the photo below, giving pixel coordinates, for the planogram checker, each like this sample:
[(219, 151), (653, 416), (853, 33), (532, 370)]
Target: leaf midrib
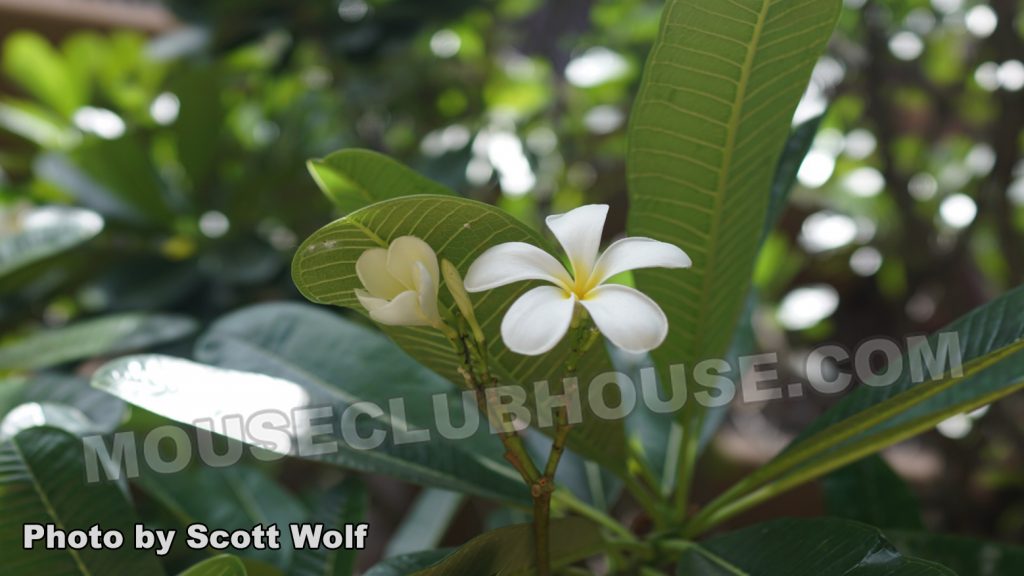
[(732, 129), (50, 510)]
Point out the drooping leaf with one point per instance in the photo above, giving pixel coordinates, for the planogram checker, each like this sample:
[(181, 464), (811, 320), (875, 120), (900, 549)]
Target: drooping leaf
[(509, 551), (355, 178), (343, 504), (870, 491), (212, 398), (966, 556), (232, 497), (44, 232), (32, 414), (105, 335), (459, 230), (223, 565), (794, 547), (103, 410), (43, 481)]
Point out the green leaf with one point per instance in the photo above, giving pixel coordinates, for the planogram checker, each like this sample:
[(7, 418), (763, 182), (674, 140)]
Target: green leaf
[(425, 524), (42, 481), (223, 565), (990, 340), (343, 504), (509, 551), (103, 410), (793, 153), (870, 491), (32, 62), (105, 335), (408, 564), (707, 129), (32, 414), (459, 230), (966, 556), (794, 547), (187, 392), (354, 178), (232, 497), (40, 233)]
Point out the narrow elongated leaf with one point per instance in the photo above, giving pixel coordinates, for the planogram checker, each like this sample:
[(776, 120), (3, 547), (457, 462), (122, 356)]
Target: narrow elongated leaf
[(354, 178), (105, 335), (458, 230), (966, 556), (714, 109), (803, 548), (223, 565), (509, 551), (231, 497), (343, 504), (235, 404), (42, 481), (990, 341), (870, 491), (44, 232)]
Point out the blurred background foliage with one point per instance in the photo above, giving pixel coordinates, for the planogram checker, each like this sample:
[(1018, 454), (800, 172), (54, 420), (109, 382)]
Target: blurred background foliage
[(165, 171)]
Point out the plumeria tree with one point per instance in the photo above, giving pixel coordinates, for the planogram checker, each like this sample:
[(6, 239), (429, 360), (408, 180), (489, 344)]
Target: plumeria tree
[(480, 357)]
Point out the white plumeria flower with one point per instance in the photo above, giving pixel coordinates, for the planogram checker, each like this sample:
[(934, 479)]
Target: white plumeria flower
[(539, 319), (401, 283)]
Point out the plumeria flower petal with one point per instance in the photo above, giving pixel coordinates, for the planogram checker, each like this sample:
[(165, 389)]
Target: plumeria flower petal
[(627, 317), (514, 262), (579, 233), (636, 253), (540, 318), (401, 283)]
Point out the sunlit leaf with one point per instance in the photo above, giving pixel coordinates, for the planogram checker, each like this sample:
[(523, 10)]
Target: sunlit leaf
[(213, 398), (43, 232)]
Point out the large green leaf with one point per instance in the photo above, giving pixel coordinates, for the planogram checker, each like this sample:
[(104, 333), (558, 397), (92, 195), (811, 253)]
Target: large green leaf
[(40, 233), (509, 551), (354, 178), (228, 498), (342, 504), (966, 556), (793, 547), (459, 230), (42, 481), (991, 346), (105, 335), (870, 491), (707, 128), (205, 396), (223, 565)]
